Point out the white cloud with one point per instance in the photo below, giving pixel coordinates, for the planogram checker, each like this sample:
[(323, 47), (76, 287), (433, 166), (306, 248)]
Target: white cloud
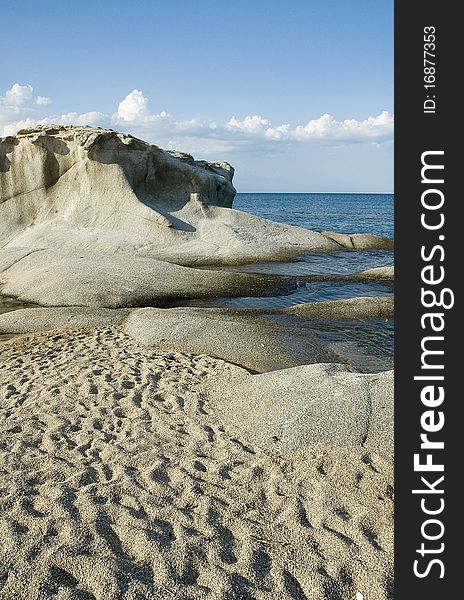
[(17, 95), (19, 109), (253, 124), (14, 126), (42, 100), (326, 127), (72, 118), (134, 109), (94, 118)]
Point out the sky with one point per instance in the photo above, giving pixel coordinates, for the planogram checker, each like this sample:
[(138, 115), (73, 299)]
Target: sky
[(297, 96)]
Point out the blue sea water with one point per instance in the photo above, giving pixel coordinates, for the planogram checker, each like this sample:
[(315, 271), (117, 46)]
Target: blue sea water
[(343, 213)]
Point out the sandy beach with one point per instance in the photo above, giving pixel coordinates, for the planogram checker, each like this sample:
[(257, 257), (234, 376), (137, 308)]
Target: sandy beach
[(153, 449), (119, 480)]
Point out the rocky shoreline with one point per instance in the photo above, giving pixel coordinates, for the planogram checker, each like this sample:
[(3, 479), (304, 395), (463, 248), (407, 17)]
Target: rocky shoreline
[(154, 451)]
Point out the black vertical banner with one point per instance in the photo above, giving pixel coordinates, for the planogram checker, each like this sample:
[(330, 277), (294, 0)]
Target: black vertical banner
[(428, 424)]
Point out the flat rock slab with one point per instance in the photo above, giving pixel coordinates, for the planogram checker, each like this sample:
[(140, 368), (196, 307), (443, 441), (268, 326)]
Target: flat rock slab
[(258, 340), (37, 319), (350, 308), (360, 241), (383, 273), (52, 278), (288, 410), (247, 339)]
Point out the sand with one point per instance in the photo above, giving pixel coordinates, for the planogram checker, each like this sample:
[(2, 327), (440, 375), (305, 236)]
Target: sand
[(119, 481)]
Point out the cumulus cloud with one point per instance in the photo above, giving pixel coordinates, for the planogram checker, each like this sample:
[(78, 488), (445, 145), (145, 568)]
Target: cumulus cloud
[(326, 127), (134, 109), (250, 123), (91, 118), (17, 95), (19, 109)]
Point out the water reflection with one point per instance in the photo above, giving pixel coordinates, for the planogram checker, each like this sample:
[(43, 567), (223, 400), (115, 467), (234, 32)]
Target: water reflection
[(307, 291), (366, 345), (342, 262)]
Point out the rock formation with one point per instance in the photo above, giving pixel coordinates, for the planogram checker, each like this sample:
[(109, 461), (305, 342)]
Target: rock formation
[(360, 241), (363, 307), (294, 408), (98, 189), (87, 213)]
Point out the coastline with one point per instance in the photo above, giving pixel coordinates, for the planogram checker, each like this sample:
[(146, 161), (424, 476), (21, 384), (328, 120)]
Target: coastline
[(174, 431)]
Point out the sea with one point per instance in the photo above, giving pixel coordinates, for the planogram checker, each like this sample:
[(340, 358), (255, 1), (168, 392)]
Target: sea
[(343, 213)]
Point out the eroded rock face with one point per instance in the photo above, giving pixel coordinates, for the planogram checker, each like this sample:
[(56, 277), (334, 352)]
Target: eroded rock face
[(75, 201), (98, 189), (100, 179)]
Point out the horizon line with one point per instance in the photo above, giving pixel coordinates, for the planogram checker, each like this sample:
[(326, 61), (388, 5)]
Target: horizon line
[(333, 193)]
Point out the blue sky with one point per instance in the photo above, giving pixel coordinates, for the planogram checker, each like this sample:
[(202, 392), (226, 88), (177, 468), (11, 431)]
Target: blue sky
[(297, 96)]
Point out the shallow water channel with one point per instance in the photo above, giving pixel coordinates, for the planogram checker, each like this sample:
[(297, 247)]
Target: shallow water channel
[(366, 344)]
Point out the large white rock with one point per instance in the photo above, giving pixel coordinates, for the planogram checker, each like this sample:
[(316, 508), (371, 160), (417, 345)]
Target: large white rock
[(96, 189), (112, 280), (72, 191)]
